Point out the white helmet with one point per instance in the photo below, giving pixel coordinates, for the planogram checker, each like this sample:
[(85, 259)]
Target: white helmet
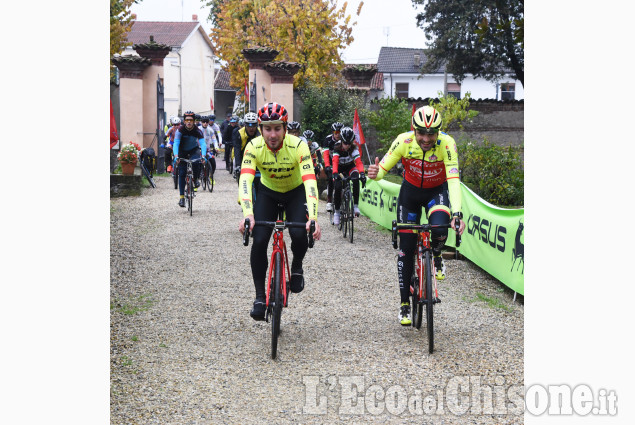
[(251, 118), (176, 121), (314, 147)]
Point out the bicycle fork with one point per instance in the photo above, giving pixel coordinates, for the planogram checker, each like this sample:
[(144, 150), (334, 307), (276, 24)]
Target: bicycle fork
[(279, 247)]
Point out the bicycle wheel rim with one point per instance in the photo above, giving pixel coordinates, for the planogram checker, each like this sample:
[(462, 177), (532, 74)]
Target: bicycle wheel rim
[(419, 290), (277, 304), (429, 301), (210, 182), (414, 303), (189, 195)]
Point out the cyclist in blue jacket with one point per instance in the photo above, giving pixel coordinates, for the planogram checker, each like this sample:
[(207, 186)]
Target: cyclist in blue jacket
[(189, 143)]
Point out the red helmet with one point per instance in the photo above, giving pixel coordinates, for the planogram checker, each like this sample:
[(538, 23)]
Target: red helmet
[(273, 113)]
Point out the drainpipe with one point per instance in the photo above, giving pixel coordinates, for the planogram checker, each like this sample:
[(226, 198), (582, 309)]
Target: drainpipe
[(391, 84), (180, 84)]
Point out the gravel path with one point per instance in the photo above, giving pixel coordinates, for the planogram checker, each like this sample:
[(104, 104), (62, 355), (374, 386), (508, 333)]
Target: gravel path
[(184, 349)]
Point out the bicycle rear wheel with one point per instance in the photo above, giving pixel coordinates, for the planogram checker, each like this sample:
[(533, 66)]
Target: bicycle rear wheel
[(429, 297), (417, 305), (147, 175), (351, 215), (277, 303)]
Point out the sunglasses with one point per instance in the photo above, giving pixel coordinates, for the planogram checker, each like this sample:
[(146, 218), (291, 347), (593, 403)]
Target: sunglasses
[(189, 119), (336, 132)]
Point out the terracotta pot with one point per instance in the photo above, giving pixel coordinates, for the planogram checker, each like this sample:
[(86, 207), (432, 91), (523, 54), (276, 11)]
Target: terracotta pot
[(127, 168)]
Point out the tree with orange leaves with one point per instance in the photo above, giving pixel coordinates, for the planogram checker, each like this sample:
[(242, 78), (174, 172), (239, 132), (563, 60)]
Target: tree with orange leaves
[(309, 32)]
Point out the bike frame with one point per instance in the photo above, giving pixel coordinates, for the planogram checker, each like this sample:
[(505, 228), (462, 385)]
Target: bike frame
[(423, 245), (279, 246)]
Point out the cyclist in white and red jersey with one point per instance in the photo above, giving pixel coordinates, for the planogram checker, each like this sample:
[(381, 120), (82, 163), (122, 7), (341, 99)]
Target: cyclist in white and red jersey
[(346, 160), (327, 154), (431, 181)]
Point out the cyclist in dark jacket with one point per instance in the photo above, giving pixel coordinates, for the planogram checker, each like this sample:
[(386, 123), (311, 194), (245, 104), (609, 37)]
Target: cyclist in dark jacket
[(189, 143)]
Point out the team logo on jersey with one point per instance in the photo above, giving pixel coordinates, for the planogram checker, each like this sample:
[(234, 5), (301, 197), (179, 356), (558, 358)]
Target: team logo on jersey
[(455, 149), (408, 140), (453, 171), (433, 157)]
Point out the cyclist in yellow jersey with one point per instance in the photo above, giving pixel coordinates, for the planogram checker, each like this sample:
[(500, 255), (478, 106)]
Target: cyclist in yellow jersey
[(287, 178), (431, 181)]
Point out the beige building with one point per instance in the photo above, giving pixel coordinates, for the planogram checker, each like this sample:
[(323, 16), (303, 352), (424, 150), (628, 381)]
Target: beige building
[(188, 69)]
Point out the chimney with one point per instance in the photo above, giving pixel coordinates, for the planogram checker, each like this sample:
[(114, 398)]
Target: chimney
[(417, 59), (195, 17)]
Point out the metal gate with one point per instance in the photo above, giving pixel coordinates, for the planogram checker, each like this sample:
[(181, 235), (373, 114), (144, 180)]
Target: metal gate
[(160, 133)]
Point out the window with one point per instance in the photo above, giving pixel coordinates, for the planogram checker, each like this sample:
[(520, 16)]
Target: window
[(401, 90), (454, 89), (507, 91)]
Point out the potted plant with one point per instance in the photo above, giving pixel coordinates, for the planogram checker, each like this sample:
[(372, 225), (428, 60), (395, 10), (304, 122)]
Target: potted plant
[(128, 156)]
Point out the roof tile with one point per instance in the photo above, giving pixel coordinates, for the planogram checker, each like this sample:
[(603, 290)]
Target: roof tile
[(170, 33), (401, 60)]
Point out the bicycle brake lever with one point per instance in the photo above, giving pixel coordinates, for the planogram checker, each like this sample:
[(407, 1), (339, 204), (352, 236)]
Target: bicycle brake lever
[(311, 230), (394, 234), (246, 233)]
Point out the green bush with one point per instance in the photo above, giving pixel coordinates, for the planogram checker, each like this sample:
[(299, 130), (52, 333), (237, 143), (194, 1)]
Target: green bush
[(453, 110), (494, 173), (322, 106), (393, 118)]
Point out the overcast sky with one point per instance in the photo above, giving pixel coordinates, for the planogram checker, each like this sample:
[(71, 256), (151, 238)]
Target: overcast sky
[(381, 23)]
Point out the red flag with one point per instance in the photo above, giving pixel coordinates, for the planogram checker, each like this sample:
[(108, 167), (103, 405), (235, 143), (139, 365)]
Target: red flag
[(113, 128), (413, 114), (357, 129), (246, 91), (211, 104)]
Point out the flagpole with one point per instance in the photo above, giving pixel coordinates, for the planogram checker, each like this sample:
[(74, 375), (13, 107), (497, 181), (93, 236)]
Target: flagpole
[(368, 153)]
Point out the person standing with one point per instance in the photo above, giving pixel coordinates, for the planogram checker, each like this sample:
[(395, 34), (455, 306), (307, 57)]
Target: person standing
[(227, 137)]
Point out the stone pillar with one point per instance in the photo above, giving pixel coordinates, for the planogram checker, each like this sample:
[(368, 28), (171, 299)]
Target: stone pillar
[(155, 53), (281, 74), (258, 57), (131, 97)]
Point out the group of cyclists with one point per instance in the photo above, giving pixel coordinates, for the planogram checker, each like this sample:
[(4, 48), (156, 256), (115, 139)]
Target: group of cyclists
[(281, 166)]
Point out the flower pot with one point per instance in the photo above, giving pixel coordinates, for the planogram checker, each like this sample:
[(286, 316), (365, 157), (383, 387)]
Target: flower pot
[(127, 168)]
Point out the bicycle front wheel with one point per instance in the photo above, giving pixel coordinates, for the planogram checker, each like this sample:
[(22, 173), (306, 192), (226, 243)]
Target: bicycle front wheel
[(345, 214), (277, 303), (204, 174), (429, 297), (189, 194), (210, 180)]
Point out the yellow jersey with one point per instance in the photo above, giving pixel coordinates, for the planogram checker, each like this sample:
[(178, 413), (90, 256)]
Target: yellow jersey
[(281, 171)]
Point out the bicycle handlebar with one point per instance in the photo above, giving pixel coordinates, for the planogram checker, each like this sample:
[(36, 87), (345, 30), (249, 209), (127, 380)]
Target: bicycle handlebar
[(285, 224), (421, 227), (190, 161)]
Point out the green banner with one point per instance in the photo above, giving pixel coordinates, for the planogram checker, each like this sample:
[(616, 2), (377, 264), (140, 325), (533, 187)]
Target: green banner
[(493, 238)]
